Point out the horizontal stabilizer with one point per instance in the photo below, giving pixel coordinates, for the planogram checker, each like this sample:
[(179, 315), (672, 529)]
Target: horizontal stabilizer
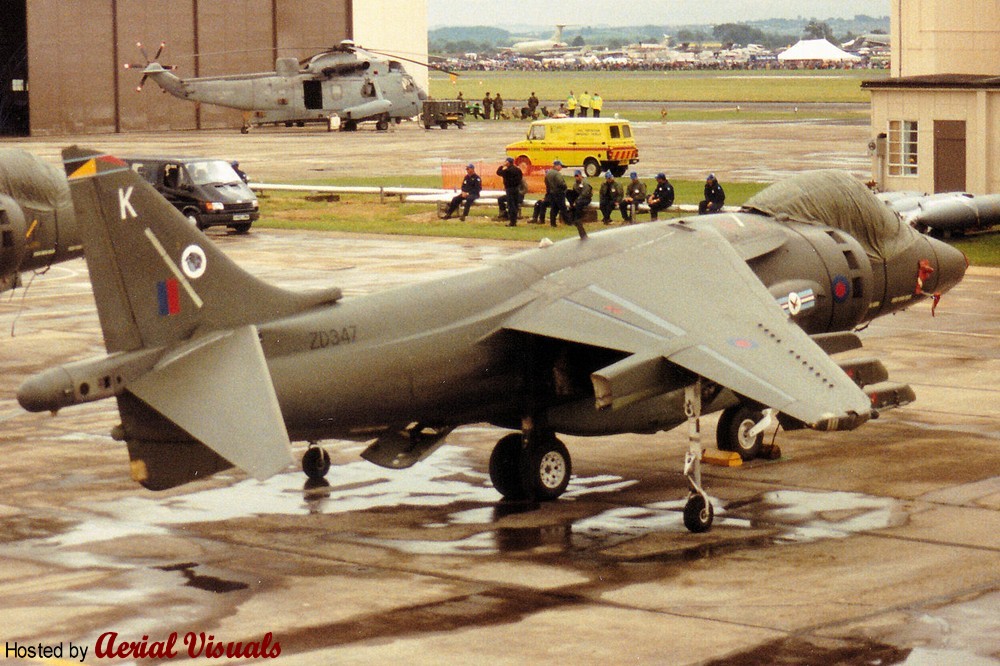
[(217, 388)]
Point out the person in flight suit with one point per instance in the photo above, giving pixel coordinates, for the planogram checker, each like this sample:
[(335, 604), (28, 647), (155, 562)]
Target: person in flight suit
[(579, 197), (662, 197), (513, 179), (472, 185), (555, 193), (635, 194), (715, 196), (609, 196)]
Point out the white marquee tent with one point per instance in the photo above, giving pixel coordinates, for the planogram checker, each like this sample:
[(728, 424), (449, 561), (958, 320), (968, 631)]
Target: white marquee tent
[(816, 49)]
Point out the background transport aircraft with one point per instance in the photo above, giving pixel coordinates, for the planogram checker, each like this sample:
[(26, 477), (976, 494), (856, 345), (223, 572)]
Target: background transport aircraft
[(636, 329)]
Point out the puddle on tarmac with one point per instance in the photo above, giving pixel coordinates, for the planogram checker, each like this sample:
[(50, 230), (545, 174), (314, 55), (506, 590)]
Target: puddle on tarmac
[(447, 479)]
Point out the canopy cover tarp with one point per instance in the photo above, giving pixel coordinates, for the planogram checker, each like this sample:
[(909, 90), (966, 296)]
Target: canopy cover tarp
[(816, 49), (838, 200), (34, 183)]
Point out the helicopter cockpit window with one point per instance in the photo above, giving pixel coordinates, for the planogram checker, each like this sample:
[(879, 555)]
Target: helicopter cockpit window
[(536, 133), (408, 84), (395, 66), (368, 89)]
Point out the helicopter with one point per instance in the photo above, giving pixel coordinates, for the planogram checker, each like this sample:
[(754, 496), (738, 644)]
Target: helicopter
[(340, 86)]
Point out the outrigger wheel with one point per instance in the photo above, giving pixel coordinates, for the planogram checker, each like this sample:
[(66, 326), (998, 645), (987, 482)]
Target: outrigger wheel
[(315, 462), (540, 470)]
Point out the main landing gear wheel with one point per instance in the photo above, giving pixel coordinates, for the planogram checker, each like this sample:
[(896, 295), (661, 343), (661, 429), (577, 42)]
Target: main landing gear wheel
[(548, 470), (505, 468), (541, 472), (733, 431), (698, 514), (315, 462), (382, 124)]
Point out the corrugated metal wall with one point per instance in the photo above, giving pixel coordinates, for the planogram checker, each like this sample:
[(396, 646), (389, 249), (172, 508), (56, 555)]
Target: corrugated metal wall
[(76, 50)]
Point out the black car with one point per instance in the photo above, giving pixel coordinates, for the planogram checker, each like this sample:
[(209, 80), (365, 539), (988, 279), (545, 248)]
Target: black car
[(208, 191)]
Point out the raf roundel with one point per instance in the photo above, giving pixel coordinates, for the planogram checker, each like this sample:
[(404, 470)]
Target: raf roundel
[(193, 262)]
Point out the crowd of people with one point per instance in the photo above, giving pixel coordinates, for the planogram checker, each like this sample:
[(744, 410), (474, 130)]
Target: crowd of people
[(494, 107), (568, 202)]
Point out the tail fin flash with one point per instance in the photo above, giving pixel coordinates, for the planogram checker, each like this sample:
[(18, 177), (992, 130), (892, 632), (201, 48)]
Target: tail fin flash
[(157, 280)]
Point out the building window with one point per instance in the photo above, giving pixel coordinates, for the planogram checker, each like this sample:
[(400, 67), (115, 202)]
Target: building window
[(902, 147)]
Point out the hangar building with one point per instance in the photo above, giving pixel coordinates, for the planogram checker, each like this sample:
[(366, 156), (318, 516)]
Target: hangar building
[(936, 119), (61, 62)]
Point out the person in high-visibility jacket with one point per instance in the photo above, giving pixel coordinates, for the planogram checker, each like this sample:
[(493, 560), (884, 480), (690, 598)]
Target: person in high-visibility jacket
[(571, 105), (584, 102), (596, 102)]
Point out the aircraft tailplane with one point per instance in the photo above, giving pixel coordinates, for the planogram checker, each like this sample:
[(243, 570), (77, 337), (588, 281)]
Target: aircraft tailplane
[(157, 280)]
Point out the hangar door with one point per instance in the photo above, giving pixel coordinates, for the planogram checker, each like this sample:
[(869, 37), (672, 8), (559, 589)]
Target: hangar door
[(14, 70), (949, 155)]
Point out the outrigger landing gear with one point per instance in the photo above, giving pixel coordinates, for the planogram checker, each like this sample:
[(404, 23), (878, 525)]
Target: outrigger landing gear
[(698, 512), (532, 465), (315, 462)]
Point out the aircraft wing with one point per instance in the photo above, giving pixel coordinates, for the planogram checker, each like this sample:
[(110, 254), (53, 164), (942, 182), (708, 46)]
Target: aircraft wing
[(688, 297)]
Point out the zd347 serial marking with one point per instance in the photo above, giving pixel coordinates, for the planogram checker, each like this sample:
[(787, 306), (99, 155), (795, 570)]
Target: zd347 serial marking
[(333, 337)]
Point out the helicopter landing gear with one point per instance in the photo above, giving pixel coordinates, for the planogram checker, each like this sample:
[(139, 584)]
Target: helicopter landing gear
[(349, 126), (382, 124), (534, 465), (315, 462), (698, 512), (246, 123)]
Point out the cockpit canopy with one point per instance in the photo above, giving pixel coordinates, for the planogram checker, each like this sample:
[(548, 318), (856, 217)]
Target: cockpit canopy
[(837, 199)]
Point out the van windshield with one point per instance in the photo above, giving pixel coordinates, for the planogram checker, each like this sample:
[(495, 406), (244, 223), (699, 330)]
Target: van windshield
[(212, 172), (536, 133)]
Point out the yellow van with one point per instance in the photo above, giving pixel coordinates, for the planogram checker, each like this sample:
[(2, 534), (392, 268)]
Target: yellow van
[(596, 144)]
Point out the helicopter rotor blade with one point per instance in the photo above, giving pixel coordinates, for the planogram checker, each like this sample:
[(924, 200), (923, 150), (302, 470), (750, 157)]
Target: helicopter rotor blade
[(159, 50), (415, 62)]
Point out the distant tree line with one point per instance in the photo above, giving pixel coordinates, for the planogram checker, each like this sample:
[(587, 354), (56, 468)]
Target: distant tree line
[(773, 34)]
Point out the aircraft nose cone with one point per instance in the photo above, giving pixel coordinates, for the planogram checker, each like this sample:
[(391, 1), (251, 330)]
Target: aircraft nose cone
[(951, 267)]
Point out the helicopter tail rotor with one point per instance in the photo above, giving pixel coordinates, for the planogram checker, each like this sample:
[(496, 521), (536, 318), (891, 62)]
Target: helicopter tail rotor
[(151, 64)]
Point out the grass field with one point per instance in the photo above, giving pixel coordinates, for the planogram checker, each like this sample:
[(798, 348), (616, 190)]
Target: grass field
[(365, 214), (826, 86)]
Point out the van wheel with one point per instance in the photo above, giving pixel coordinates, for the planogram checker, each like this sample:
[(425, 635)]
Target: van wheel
[(523, 163), (619, 170), (192, 215), (591, 167), (241, 228)]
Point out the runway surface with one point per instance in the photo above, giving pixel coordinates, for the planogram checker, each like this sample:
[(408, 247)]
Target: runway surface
[(874, 546)]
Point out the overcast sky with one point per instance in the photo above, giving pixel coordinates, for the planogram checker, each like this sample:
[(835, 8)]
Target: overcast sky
[(505, 13)]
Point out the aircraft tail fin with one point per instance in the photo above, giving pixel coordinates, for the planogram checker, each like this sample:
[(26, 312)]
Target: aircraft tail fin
[(157, 280)]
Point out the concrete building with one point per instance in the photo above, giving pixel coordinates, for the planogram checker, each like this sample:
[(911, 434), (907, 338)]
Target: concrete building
[(936, 119), (61, 62)]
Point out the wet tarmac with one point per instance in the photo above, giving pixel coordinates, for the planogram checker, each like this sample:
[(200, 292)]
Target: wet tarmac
[(761, 151), (879, 546)]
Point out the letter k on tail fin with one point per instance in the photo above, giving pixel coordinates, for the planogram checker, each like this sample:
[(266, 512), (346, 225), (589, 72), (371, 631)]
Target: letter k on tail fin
[(157, 280)]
